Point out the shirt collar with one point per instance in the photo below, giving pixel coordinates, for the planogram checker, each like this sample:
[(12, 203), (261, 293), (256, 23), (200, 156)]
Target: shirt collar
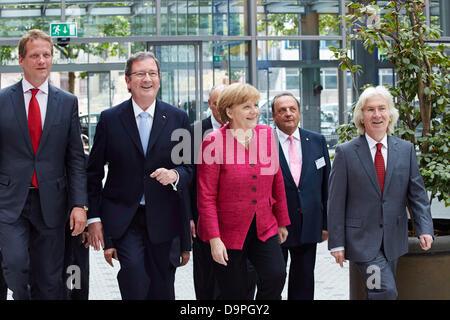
[(372, 143), (26, 86), (283, 136), (137, 110), (216, 124)]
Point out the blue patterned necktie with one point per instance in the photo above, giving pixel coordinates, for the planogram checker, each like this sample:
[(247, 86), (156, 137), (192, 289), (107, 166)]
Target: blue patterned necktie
[(144, 130)]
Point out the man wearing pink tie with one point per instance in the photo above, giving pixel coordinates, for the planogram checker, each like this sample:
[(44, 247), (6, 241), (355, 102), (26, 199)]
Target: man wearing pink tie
[(305, 164)]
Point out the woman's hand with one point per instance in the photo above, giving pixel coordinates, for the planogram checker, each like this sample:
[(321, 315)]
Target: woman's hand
[(282, 234), (218, 251)]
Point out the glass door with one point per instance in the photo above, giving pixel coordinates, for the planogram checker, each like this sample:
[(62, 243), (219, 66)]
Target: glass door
[(99, 99), (180, 77)]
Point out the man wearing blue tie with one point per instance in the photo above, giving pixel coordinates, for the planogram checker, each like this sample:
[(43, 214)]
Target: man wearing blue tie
[(139, 208)]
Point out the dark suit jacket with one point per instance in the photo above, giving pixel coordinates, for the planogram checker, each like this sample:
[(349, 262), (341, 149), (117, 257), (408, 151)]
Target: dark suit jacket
[(59, 162), (360, 217), (117, 143), (196, 129), (307, 203)]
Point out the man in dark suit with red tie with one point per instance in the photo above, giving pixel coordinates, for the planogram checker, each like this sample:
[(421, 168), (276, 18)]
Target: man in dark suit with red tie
[(305, 163), (42, 174)]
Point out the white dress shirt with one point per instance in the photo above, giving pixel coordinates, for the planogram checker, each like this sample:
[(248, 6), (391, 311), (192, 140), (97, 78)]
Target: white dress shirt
[(285, 143), (215, 124), (150, 110), (41, 96), (373, 149)]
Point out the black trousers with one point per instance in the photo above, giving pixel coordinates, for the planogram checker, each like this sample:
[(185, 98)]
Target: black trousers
[(266, 258), (76, 258), (33, 254), (205, 283), (144, 266), (3, 286), (301, 271)]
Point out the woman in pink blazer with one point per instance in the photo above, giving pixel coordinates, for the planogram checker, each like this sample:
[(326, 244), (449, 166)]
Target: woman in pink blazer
[(241, 198)]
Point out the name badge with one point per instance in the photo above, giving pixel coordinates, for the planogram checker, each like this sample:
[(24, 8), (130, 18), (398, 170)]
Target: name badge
[(320, 163)]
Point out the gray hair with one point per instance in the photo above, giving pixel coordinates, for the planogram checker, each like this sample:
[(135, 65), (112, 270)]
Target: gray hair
[(284, 94), (367, 94), (140, 56), (217, 86)]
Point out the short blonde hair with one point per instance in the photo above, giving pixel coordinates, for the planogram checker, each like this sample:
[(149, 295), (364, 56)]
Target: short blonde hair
[(235, 93), (33, 34), (367, 94)]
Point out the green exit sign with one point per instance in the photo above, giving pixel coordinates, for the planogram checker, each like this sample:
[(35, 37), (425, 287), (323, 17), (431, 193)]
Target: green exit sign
[(63, 30)]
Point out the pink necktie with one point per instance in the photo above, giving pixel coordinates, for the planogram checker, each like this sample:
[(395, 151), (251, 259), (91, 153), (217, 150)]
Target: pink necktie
[(35, 127), (294, 161), (379, 166)]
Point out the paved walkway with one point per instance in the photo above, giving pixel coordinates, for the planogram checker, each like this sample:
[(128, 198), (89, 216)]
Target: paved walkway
[(331, 280)]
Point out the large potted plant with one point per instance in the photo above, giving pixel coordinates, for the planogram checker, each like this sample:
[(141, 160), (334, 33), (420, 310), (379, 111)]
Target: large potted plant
[(400, 33)]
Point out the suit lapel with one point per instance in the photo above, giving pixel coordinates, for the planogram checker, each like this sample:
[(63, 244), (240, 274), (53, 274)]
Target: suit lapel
[(50, 114), (306, 155), (391, 160), (129, 122), (363, 152), (18, 103), (159, 122)]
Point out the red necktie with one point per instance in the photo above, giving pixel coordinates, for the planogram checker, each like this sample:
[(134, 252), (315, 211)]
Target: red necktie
[(35, 127), (379, 166)]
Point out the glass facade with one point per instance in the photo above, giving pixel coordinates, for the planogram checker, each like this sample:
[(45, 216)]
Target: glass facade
[(274, 45)]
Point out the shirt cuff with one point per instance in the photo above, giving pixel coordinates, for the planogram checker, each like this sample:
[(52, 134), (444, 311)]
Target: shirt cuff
[(337, 249), (92, 220), (174, 185)]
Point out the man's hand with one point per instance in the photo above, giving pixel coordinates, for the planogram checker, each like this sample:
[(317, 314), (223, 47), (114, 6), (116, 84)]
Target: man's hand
[(193, 233), (339, 257), (425, 241), (85, 238), (109, 254), (95, 230), (78, 220), (282, 234), (218, 251), (324, 235), (185, 258), (165, 176)]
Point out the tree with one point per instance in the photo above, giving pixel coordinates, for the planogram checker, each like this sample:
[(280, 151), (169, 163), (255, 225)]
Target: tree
[(421, 90)]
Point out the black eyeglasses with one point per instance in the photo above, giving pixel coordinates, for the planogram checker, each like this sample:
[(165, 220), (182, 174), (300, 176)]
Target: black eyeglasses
[(142, 74)]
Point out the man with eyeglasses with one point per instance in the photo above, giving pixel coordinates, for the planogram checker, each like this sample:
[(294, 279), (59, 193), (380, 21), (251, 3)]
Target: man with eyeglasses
[(140, 208)]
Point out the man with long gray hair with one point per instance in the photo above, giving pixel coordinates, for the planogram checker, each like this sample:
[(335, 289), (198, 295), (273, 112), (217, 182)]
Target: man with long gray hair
[(372, 178)]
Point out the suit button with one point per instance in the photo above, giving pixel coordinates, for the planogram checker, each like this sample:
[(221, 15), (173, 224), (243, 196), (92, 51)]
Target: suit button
[(254, 189), (254, 201), (254, 176), (381, 225)]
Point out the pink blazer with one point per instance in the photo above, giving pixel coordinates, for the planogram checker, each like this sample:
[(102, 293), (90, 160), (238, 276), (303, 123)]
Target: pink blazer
[(235, 184)]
